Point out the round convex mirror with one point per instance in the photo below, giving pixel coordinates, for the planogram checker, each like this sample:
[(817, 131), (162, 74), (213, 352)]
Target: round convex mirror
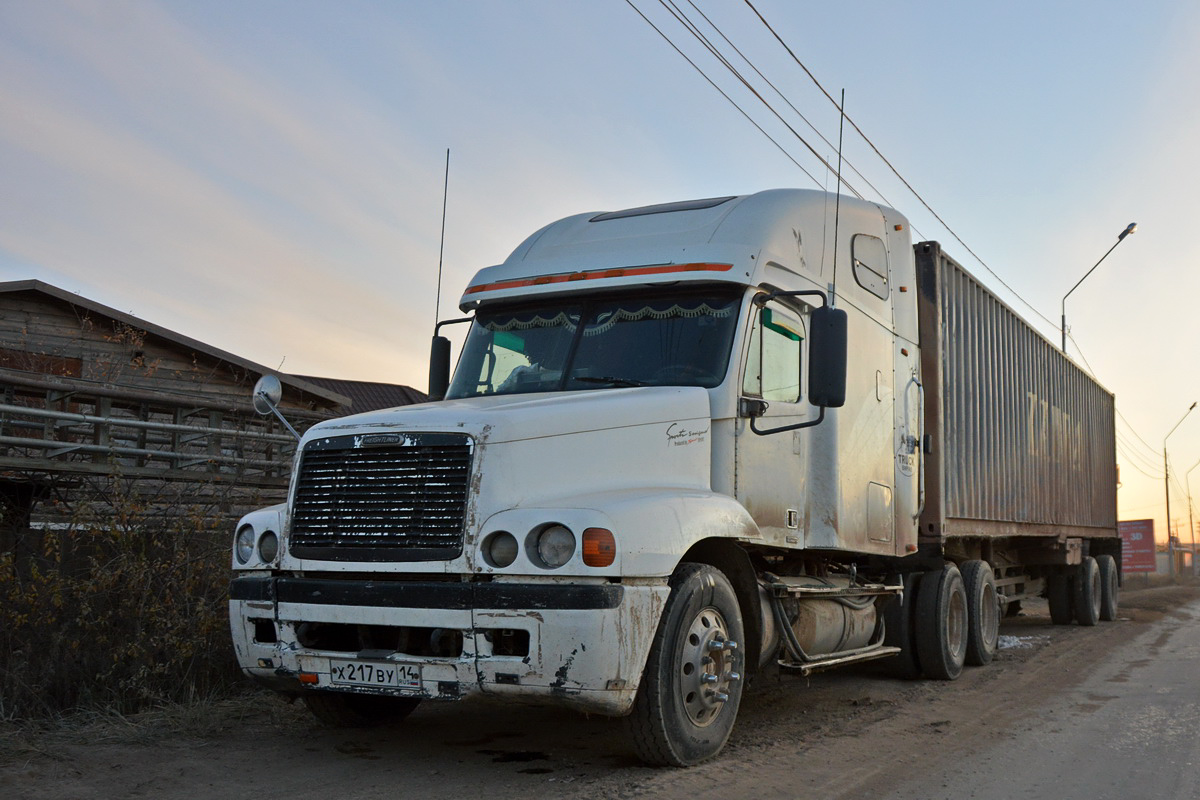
[(267, 394)]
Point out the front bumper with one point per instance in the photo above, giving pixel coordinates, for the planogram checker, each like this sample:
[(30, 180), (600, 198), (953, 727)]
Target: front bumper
[(582, 645)]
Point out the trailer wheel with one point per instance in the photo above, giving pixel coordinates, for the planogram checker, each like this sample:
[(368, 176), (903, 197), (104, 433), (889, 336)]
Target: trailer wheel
[(983, 612), (898, 616), (1060, 592), (1088, 593), (942, 624), (691, 688), (1110, 587), (344, 710)]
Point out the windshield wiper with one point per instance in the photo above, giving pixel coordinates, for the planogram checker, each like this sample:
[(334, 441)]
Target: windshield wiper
[(608, 379)]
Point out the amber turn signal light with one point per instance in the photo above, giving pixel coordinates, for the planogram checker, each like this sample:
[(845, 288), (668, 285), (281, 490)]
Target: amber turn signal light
[(599, 547)]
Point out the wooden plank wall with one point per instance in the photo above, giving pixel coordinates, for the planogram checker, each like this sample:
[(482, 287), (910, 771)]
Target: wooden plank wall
[(98, 418)]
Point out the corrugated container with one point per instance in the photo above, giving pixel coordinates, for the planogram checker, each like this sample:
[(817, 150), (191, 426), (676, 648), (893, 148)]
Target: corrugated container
[(1023, 440)]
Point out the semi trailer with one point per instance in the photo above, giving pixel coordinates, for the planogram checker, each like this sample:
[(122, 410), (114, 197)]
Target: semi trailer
[(683, 444)]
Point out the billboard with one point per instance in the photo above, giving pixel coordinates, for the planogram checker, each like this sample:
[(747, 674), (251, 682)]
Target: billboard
[(1137, 554)]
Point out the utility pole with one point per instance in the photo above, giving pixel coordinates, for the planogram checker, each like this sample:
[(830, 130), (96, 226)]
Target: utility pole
[(1167, 485)]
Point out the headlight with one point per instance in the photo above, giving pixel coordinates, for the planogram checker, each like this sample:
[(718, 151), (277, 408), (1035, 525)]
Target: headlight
[(555, 546), (500, 549), (243, 545), (268, 547)]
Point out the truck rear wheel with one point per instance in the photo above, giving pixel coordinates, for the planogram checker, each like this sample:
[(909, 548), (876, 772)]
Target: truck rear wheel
[(691, 688), (942, 624), (1088, 593), (345, 710), (983, 612), (1110, 587), (1060, 593)]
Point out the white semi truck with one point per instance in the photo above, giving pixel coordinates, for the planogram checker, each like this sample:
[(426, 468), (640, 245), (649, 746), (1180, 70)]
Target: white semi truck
[(683, 443)]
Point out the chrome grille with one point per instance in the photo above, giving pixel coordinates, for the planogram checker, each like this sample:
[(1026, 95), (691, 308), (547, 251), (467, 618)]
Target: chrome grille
[(381, 497)]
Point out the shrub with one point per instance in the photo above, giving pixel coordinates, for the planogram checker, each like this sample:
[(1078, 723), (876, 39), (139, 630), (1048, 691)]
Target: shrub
[(124, 609)]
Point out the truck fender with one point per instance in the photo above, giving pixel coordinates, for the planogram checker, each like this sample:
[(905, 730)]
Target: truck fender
[(654, 529)]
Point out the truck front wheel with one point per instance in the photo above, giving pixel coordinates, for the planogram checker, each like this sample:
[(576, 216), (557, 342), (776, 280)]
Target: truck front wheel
[(692, 685)]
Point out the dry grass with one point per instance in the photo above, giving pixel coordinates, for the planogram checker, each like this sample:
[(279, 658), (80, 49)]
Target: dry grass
[(125, 611), (198, 721)]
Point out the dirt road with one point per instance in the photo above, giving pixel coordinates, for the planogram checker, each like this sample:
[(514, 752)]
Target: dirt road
[(846, 734)]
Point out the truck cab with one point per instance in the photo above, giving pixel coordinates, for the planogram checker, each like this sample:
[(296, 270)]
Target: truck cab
[(626, 501)]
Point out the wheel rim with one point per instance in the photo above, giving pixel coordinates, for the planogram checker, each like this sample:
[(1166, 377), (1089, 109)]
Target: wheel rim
[(706, 667), (989, 616), (956, 623)]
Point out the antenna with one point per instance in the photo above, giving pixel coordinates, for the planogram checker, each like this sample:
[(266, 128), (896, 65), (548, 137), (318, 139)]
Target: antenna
[(437, 304), (837, 209)]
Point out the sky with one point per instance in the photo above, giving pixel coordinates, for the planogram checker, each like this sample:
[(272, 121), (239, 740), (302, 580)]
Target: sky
[(267, 176)]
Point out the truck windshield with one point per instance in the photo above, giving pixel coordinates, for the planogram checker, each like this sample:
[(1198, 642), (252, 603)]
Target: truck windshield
[(648, 340)]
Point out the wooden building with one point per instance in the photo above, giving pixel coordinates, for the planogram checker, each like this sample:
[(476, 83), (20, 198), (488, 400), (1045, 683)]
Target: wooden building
[(100, 408)]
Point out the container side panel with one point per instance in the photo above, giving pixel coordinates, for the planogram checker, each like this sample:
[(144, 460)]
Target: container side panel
[(1027, 436)]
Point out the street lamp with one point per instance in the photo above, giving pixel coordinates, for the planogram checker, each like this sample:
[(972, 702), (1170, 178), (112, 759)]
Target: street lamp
[(1187, 481), (1167, 484), (1130, 228)]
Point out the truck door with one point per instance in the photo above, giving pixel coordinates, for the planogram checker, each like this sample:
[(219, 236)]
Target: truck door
[(769, 478)]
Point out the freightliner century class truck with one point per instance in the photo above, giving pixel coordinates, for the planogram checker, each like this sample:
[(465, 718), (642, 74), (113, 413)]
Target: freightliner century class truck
[(684, 443)]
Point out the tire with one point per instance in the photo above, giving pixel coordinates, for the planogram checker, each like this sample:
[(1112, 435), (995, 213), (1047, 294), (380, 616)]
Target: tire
[(344, 710), (899, 629), (941, 624), (1110, 588), (1088, 593), (1060, 592), (678, 720), (983, 612)]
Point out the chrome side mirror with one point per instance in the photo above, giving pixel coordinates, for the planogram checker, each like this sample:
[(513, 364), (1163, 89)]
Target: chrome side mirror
[(267, 394)]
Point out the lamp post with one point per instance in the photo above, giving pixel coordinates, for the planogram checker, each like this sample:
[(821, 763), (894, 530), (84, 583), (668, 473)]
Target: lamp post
[(1187, 481), (1130, 228), (1167, 485)]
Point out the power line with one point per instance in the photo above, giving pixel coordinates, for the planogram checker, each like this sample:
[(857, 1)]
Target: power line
[(691, 28), (895, 171), (722, 93), (1135, 433), (1140, 463), (778, 92), (1120, 417), (1134, 464)]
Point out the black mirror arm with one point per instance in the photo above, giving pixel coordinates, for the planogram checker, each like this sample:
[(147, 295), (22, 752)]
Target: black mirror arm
[(437, 329), (820, 418)]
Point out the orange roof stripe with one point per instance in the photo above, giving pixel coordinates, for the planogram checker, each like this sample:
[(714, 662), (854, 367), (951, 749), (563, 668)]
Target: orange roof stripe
[(594, 274)]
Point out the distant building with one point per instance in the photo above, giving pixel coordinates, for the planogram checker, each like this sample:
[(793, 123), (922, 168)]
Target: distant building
[(96, 403)]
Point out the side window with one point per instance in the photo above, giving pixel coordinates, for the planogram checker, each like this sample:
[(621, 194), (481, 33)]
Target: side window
[(773, 366), (870, 264)]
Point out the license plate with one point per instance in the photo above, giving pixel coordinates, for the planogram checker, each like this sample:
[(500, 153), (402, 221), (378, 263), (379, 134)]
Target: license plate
[(374, 673)]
